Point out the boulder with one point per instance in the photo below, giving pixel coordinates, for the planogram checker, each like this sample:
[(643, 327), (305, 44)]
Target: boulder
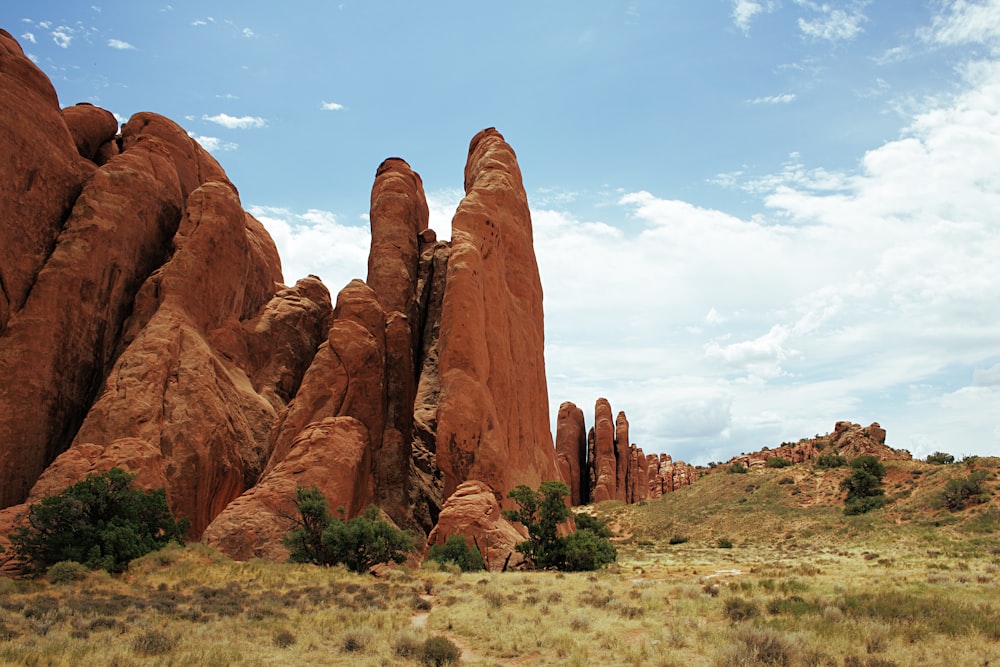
[(473, 512), (93, 130)]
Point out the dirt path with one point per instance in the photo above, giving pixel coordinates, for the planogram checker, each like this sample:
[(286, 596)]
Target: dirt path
[(419, 622)]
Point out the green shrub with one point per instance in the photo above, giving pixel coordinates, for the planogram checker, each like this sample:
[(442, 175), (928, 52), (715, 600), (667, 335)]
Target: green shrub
[(101, 522), (66, 571), (541, 512), (738, 609), (962, 491), (828, 461), (438, 651), (456, 551), (595, 525), (583, 551), (940, 458), (737, 469), (359, 543), (864, 486), (777, 462), (724, 543)]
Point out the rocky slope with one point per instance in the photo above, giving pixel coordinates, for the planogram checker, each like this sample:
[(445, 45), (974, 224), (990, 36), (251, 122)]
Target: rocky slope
[(144, 324), (847, 439)]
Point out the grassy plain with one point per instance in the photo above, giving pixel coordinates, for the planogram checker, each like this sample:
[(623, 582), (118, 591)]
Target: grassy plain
[(802, 584)]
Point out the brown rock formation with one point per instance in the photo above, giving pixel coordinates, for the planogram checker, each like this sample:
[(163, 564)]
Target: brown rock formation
[(473, 512), (492, 418), (93, 131), (604, 461), (666, 475), (621, 457), (848, 440), (638, 476), (139, 303), (571, 452), (141, 306)]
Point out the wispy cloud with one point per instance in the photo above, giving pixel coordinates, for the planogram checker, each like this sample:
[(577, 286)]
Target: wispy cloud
[(62, 36), (120, 45), (967, 22), (331, 106), (248, 33), (29, 37), (236, 122), (833, 24), (204, 21), (744, 11), (786, 98), (214, 144)]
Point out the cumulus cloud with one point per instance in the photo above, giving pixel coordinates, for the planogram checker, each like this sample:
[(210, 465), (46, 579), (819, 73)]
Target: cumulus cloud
[(316, 242), (331, 106), (867, 294), (236, 122), (120, 45)]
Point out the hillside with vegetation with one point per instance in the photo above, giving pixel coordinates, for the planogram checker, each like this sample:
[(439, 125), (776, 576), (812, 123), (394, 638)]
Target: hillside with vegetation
[(755, 568)]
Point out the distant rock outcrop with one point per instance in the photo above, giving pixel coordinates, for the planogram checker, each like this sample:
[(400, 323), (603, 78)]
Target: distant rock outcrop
[(144, 324), (847, 439), (606, 466)]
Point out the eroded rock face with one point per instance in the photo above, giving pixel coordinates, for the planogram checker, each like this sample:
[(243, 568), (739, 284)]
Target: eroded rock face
[(605, 460), (492, 417), (571, 452), (474, 513), (141, 306)]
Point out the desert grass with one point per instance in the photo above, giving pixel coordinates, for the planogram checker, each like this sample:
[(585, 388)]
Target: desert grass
[(802, 585)]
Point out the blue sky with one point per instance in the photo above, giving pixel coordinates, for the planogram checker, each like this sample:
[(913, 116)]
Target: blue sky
[(753, 218)]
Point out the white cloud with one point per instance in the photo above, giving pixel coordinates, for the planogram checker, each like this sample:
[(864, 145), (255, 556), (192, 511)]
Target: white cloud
[(966, 22), (331, 106), (214, 144), (315, 242), (204, 21), (786, 98), (62, 36), (744, 11), (248, 33), (236, 122), (120, 45), (833, 24), (29, 37), (867, 295)]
